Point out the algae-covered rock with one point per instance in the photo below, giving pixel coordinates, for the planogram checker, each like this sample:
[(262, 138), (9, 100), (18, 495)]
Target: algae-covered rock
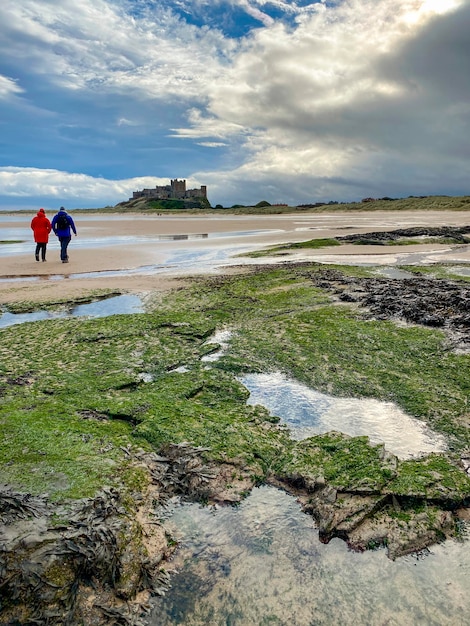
[(346, 463), (403, 534), (367, 497), (84, 569)]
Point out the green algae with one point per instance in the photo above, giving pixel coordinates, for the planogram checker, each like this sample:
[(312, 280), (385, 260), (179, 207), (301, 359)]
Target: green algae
[(76, 393), (346, 463), (311, 244)]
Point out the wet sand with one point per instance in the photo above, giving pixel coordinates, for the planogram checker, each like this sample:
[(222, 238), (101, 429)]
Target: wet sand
[(120, 243)]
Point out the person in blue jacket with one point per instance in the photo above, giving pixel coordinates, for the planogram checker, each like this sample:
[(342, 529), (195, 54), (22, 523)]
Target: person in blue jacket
[(62, 225)]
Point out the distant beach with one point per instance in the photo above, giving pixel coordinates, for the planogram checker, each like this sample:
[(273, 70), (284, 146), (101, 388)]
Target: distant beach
[(110, 249)]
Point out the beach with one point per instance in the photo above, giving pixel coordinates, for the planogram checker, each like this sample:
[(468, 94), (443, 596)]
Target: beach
[(143, 253)]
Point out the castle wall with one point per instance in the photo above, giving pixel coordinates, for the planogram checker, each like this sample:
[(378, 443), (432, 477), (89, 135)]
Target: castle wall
[(176, 189)]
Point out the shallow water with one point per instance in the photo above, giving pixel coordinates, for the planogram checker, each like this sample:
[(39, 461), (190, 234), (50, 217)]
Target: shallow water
[(461, 271), (25, 245), (308, 412), (222, 338), (262, 563), (179, 262), (123, 304), (394, 272)]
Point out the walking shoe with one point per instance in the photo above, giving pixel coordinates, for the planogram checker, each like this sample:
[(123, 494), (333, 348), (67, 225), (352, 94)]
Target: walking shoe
[(65, 261), (37, 257)]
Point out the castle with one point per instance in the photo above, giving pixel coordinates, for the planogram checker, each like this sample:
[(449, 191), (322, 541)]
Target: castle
[(175, 190)]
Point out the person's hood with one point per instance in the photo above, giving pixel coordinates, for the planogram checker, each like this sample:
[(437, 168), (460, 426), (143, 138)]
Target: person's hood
[(41, 213)]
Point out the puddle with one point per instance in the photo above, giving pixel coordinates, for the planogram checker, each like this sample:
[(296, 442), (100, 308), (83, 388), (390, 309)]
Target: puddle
[(179, 262), (11, 319), (222, 338), (123, 304), (394, 272), (308, 412), (262, 563), (146, 377), (461, 271)]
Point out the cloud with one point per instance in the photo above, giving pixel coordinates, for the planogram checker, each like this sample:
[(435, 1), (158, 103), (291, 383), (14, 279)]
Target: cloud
[(354, 91), (9, 88), (100, 47), (19, 183), (253, 11), (344, 98), (212, 144)]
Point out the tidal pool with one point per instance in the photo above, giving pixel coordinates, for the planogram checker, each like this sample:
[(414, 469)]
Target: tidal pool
[(461, 271), (262, 563), (394, 272), (180, 262), (98, 308), (308, 412)]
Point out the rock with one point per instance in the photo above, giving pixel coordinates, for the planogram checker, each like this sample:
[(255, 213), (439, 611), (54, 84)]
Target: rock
[(88, 570)]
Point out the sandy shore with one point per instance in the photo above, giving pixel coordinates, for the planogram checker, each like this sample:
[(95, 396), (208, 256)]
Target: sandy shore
[(118, 243)]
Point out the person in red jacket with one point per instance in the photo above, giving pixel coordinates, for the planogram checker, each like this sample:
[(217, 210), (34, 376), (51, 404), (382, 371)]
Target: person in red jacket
[(41, 228)]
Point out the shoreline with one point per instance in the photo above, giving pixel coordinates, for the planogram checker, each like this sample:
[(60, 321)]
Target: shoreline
[(120, 243)]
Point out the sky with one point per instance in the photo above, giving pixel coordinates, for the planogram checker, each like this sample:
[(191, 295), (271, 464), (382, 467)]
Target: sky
[(289, 101)]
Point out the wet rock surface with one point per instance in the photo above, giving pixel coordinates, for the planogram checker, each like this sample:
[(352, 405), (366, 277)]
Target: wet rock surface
[(98, 561), (430, 302), (460, 234), (82, 570), (368, 521)]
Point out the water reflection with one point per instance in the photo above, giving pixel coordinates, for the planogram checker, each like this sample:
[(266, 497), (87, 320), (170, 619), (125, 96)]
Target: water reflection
[(179, 262), (308, 412), (124, 304), (25, 245), (100, 308), (262, 563)]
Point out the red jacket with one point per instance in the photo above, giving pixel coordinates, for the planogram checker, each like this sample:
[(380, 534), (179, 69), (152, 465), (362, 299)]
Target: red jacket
[(41, 227)]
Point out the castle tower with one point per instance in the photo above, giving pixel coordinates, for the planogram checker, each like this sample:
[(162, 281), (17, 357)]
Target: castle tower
[(178, 188)]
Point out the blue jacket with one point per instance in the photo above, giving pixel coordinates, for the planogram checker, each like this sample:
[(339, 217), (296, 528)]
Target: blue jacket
[(63, 232)]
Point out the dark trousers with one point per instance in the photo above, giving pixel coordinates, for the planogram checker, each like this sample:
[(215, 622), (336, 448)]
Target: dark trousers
[(41, 247), (64, 242)]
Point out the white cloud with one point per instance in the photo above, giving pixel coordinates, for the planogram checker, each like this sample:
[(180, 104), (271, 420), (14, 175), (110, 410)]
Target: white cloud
[(326, 101), (212, 144), (96, 45), (256, 13), (9, 88), (24, 182), (122, 121)]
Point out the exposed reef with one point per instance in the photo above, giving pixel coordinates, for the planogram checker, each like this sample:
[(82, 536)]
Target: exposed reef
[(136, 388)]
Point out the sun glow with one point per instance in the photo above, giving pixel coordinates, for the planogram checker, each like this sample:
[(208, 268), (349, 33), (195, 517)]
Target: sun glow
[(431, 7), (439, 6)]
